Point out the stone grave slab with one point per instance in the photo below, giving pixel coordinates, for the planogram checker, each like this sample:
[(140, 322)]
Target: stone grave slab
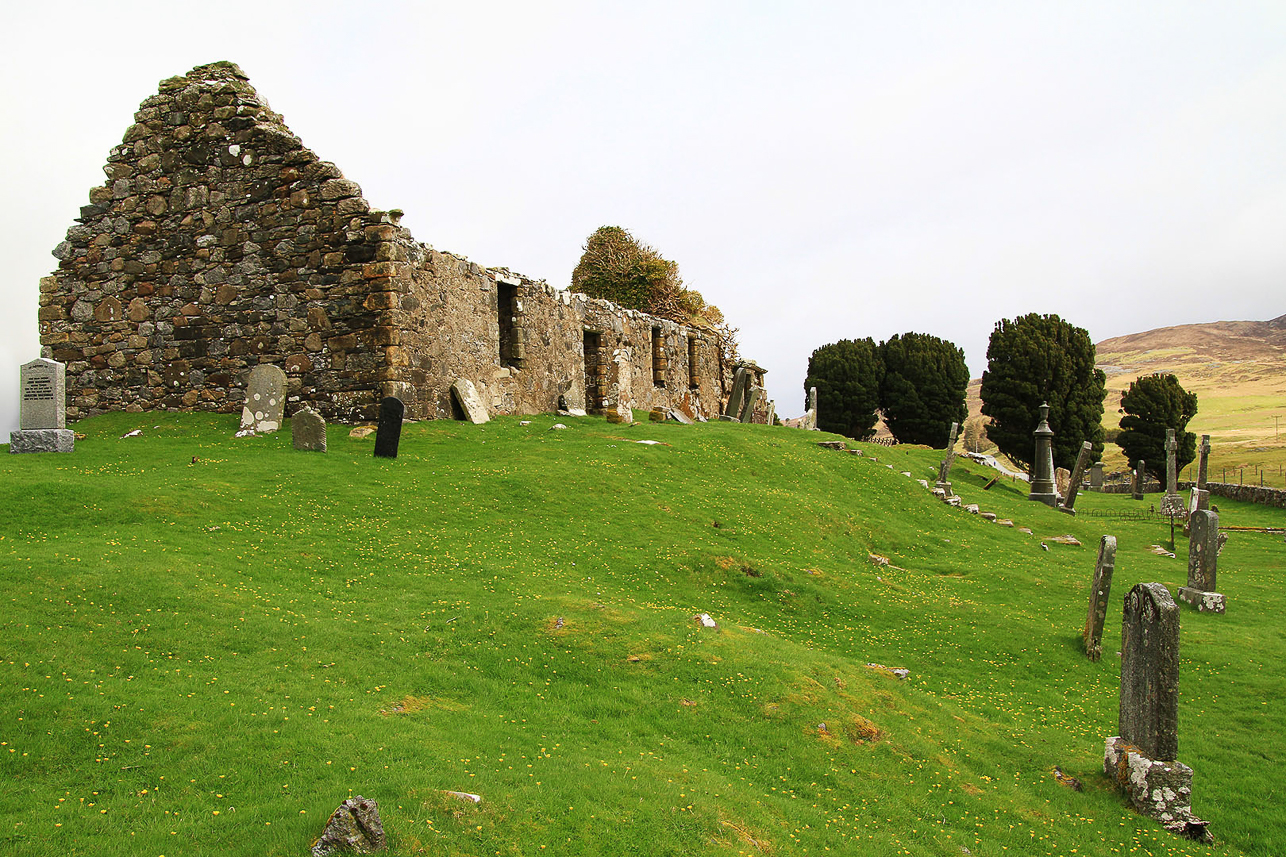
[(1100, 590), (42, 409), (388, 434), (265, 407), (308, 430), (466, 396)]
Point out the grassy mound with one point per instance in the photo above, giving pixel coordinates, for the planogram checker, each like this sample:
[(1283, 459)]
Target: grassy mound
[(209, 642)]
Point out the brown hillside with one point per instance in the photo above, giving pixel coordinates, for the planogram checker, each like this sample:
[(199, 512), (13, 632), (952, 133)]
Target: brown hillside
[(1238, 371)]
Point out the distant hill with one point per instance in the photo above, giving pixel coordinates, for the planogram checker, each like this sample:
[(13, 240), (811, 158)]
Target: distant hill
[(1238, 371)]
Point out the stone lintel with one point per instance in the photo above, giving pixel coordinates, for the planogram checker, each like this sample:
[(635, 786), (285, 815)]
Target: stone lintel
[(1205, 602)]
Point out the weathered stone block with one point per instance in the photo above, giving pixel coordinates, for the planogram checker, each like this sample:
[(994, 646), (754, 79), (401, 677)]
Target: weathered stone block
[(42, 440)]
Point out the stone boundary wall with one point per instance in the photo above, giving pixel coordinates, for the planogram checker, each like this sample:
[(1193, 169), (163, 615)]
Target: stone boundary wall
[(1275, 497), (219, 242)]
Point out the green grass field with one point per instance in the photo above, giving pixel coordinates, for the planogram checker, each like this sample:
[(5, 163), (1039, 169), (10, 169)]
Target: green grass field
[(209, 642)]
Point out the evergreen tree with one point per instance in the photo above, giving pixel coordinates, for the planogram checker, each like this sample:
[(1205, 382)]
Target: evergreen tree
[(923, 390), (1041, 358), (847, 377), (1153, 404)]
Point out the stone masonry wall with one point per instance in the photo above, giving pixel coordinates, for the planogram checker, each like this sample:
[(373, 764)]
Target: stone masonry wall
[(1264, 496), (220, 242)]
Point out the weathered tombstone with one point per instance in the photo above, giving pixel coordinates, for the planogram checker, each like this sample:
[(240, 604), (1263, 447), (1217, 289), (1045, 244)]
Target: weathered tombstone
[(1042, 483), (772, 413), (748, 408), (1171, 503), (1096, 476), (809, 420), (389, 430), (464, 394), (308, 430), (1203, 560), (740, 381), (353, 828), (1078, 474), (1201, 494), (42, 409), (1099, 592), (1140, 474), (1142, 758), (1062, 476), (265, 406), (944, 467)]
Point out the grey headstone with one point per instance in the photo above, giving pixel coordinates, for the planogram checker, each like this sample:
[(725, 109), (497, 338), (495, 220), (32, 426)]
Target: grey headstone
[(1096, 476), (43, 388), (1171, 503), (739, 382), (1078, 475), (265, 407), (1203, 493), (42, 409), (466, 396), (388, 433), (1099, 593), (748, 408), (308, 430), (1149, 716), (1140, 476), (1203, 561)]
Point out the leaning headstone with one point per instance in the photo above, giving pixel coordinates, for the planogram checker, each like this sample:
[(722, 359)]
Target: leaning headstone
[(1078, 474), (466, 396), (1171, 503), (265, 406), (944, 466), (1142, 757), (809, 421), (354, 828), (748, 407), (42, 409), (740, 381), (1203, 560), (1096, 476), (1042, 482), (389, 431), (308, 430), (1099, 592)]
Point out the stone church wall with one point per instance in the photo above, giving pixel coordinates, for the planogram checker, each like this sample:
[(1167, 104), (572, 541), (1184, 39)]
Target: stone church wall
[(219, 242)]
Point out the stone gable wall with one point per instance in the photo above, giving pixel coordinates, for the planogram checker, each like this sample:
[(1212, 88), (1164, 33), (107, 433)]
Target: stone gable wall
[(219, 242)]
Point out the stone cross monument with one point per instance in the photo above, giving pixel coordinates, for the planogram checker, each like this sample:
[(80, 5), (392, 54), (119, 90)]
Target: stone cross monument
[(1142, 758), (1203, 559), (1078, 474), (1171, 503), (1042, 481), (42, 409), (944, 469), (1201, 494)]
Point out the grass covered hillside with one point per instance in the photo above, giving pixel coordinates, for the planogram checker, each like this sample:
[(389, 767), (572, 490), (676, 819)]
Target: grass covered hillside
[(209, 642)]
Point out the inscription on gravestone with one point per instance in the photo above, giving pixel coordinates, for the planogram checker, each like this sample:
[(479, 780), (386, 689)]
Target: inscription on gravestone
[(1149, 715), (1099, 593), (388, 432)]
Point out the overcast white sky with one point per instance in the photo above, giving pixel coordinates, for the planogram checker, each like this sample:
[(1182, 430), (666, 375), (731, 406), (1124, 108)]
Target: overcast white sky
[(819, 170)]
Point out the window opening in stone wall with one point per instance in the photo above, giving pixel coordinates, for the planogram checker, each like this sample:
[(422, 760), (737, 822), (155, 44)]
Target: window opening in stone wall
[(511, 348), (659, 363), (595, 372), (693, 378)]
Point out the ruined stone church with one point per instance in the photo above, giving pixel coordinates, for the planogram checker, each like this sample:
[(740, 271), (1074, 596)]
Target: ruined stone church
[(220, 242)]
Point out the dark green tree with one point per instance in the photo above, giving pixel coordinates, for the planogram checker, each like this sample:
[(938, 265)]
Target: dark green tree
[(847, 377), (1153, 404), (1041, 358), (923, 390)]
